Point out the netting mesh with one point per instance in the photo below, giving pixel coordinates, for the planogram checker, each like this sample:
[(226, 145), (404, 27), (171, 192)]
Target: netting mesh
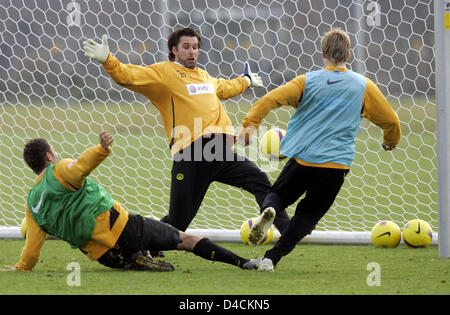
[(49, 89)]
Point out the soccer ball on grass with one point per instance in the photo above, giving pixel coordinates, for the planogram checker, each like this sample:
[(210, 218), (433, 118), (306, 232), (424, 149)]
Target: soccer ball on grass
[(386, 234), (417, 233)]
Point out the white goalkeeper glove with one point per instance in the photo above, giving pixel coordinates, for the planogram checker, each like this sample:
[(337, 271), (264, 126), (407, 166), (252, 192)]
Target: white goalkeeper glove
[(98, 52), (254, 80)]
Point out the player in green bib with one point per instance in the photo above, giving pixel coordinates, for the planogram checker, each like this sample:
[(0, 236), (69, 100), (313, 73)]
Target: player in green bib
[(67, 204), (66, 214)]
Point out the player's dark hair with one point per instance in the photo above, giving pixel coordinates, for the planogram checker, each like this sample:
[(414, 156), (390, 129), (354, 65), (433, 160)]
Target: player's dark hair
[(34, 154), (174, 39)]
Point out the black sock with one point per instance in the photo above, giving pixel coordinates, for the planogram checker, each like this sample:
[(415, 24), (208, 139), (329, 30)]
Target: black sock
[(211, 251)]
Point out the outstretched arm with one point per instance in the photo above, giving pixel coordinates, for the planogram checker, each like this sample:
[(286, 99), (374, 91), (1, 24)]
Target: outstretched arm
[(288, 94), (377, 109), (34, 239), (73, 173), (136, 78), (229, 88)]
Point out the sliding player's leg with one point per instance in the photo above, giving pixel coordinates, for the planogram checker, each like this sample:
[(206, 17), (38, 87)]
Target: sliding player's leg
[(130, 251), (209, 250), (160, 236)]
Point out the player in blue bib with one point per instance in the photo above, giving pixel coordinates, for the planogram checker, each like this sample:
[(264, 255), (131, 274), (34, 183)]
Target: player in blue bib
[(320, 141)]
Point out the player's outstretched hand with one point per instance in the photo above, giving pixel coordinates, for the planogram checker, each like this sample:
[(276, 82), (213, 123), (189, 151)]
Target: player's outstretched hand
[(387, 147), (8, 268), (254, 78), (106, 140), (98, 52), (243, 139)]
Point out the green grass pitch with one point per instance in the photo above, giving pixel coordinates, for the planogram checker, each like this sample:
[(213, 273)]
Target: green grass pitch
[(309, 269)]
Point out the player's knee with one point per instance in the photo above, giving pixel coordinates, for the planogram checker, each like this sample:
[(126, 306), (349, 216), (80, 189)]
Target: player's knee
[(188, 241), (180, 224)]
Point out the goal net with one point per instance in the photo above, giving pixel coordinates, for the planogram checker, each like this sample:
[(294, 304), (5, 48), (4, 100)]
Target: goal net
[(49, 89)]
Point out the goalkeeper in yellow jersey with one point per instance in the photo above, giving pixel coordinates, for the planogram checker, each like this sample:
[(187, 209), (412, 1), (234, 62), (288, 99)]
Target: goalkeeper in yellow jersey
[(198, 130), (320, 140), (66, 203)]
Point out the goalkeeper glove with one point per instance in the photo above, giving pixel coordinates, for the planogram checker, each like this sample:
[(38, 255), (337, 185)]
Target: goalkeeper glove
[(98, 52), (253, 78)]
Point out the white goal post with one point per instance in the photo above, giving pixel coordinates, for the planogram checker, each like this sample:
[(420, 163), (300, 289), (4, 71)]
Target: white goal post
[(49, 89), (442, 39)]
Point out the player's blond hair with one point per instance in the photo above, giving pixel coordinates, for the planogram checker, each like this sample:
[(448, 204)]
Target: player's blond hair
[(336, 45)]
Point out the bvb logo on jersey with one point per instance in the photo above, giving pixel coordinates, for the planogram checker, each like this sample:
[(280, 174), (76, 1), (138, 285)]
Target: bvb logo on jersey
[(180, 176), (181, 73)]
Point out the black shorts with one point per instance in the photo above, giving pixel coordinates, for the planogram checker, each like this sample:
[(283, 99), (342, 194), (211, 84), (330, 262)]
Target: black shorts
[(193, 173), (140, 234)]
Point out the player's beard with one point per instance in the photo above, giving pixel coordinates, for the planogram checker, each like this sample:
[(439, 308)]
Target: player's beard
[(189, 62)]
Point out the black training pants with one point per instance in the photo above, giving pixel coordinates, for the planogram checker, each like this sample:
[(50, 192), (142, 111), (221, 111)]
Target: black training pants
[(207, 160), (321, 186), (139, 234)]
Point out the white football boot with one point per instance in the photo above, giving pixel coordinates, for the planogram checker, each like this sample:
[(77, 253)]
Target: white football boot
[(252, 264), (265, 265), (261, 264), (261, 225)]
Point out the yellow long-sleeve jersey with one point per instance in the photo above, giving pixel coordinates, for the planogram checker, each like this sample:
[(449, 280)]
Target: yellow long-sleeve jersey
[(188, 99), (72, 175)]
